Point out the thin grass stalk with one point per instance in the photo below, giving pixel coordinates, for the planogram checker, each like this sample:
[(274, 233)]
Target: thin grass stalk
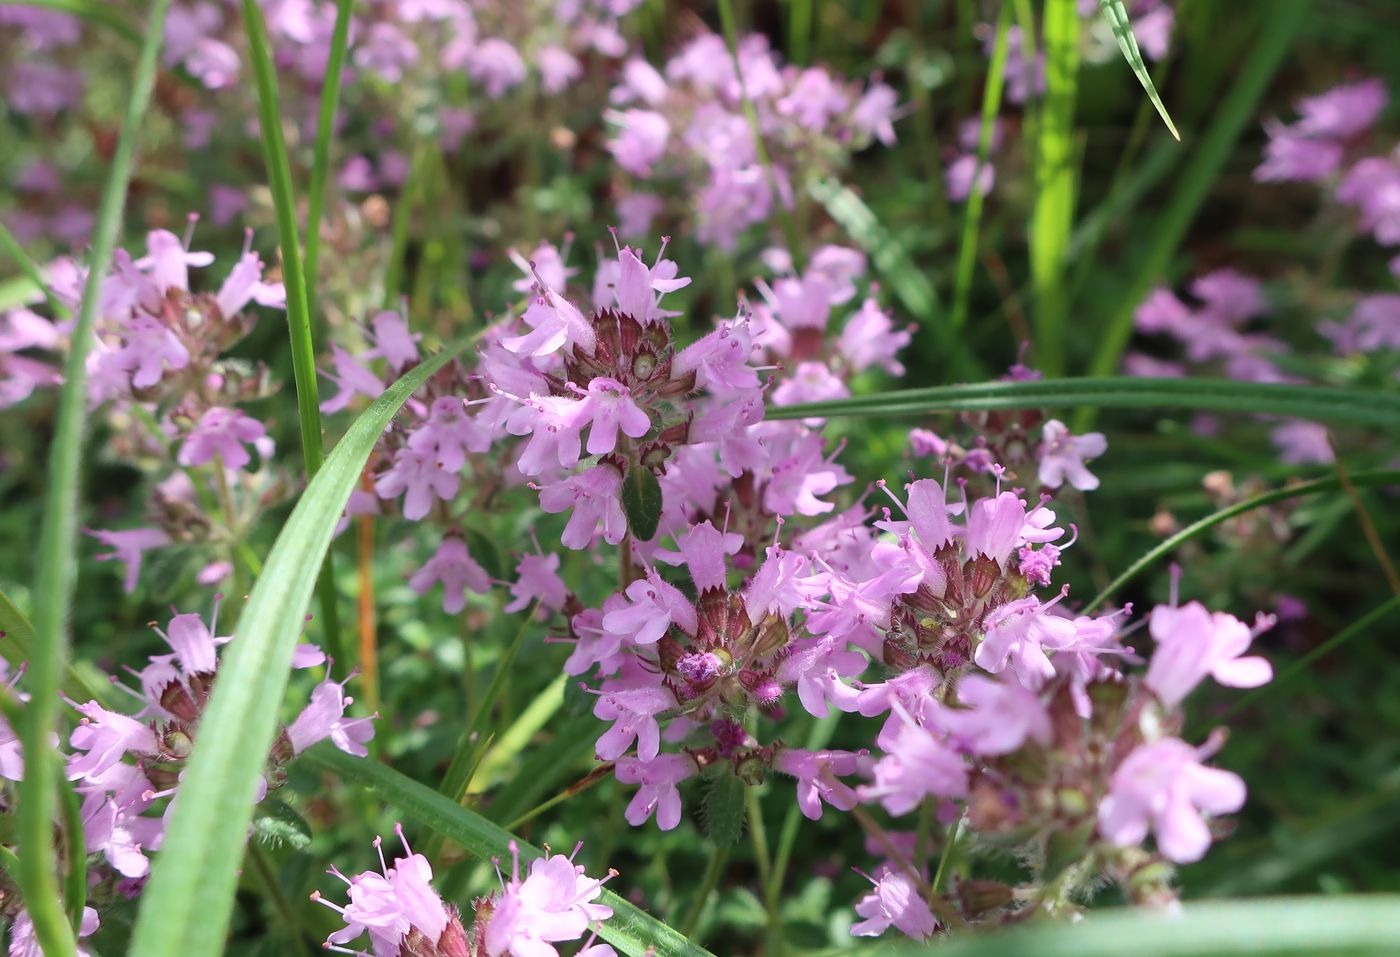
[(279, 175), (321, 157), (57, 572), (972, 215), (31, 270), (1053, 215), (731, 39), (1240, 106)]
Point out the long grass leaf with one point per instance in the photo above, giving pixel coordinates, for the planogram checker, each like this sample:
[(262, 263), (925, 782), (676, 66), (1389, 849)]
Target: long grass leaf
[(1117, 18), (10, 245), (186, 906), (102, 12), (1052, 216), (1196, 528), (1240, 105), (972, 215), (1358, 406), (279, 173), (321, 158), (57, 568), (631, 930), (17, 641)]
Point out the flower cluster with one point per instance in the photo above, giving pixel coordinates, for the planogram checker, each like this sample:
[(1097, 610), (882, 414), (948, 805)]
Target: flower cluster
[(686, 123)]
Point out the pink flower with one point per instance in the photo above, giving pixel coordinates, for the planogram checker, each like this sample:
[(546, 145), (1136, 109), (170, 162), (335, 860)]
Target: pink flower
[(1062, 456), (325, 718), (537, 579), (23, 942), (453, 566), (1163, 786), (221, 432), (352, 378), (128, 547), (106, 737), (703, 549), (997, 717), (958, 177), (555, 426), (496, 65), (1192, 643), (393, 341), (640, 140), (1292, 158), (817, 666), (554, 903), (632, 705), (1019, 632), (659, 793), (558, 68), (994, 526), (816, 773), (555, 322), (149, 347), (894, 901), (654, 605), (610, 407), (871, 338), (1342, 111), (594, 497), (918, 765), (419, 475), (195, 647), (449, 434), (875, 111)]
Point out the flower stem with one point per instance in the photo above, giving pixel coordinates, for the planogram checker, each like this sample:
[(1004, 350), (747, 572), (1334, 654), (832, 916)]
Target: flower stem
[(708, 883)]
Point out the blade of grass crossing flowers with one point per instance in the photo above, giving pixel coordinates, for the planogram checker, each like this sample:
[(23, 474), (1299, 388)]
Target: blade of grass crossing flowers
[(1199, 527), (1117, 18), (1330, 926), (102, 12), (321, 158), (279, 174), (1357, 406), (57, 568), (972, 215), (1053, 213), (186, 905), (631, 930), (31, 270), (1239, 107)]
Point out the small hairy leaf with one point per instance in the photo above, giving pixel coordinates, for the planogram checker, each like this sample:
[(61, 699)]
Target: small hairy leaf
[(723, 810), (278, 824)]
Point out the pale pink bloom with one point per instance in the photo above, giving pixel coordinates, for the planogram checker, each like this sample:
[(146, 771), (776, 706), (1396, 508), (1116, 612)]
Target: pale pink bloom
[(1164, 787), (720, 360), (1062, 456), (148, 348), (420, 478), (393, 341), (635, 214), (814, 99), (703, 549), (221, 433), (816, 773), (1230, 296), (386, 51), (23, 942), (632, 706), (958, 177), (782, 584), (496, 65), (128, 546), (352, 378), (325, 718), (840, 266), (894, 901), (594, 496), (871, 338), (1163, 312), (449, 434), (195, 646), (545, 267), (106, 737), (1303, 443), (653, 605), (244, 284), (640, 140), (558, 68), (659, 793), (537, 579), (1342, 111), (817, 666), (799, 479), (458, 572), (1193, 643), (997, 717), (554, 903), (1289, 157), (1018, 633), (390, 905), (874, 112), (918, 765), (994, 526)]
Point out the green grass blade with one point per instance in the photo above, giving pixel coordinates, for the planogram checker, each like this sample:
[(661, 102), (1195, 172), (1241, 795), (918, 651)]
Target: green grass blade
[(31, 270), (1333, 926), (1053, 214), (321, 158), (972, 215), (631, 930), (16, 642), (102, 12), (279, 173), (186, 906), (1117, 18), (1240, 106), (1169, 545), (1358, 406), (57, 568)]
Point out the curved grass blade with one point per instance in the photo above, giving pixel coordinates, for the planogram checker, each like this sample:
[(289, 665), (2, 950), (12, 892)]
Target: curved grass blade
[(1361, 407), (31, 270), (185, 907), (279, 174), (1117, 18), (631, 930), (1169, 545), (325, 131), (57, 569), (96, 11), (1240, 105), (1332, 926)]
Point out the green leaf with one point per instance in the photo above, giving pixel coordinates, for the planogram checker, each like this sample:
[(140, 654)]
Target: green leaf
[(1169, 545), (1117, 18), (186, 906), (641, 498), (631, 930), (325, 132), (57, 566), (16, 640), (1357, 406), (1280, 927), (1239, 108), (279, 174), (723, 809), (278, 824)]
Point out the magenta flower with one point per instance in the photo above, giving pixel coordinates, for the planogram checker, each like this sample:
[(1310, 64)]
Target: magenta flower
[(221, 433), (352, 378), (1193, 643), (128, 546), (894, 901), (653, 605), (1164, 787), (994, 526), (1292, 158), (449, 434), (997, 717), (453, 566), (1018, 633), (918, 765), (1062, 456), (149, 347), (325, 718), (703, 549), (594, 496), (554, 903), (870, 338), (106, 737), (537, 579), (609, 407), (632, 705), (422, 477), (816, 773), (659, 793), (1342, 111), (392, 340), (555, 426)]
